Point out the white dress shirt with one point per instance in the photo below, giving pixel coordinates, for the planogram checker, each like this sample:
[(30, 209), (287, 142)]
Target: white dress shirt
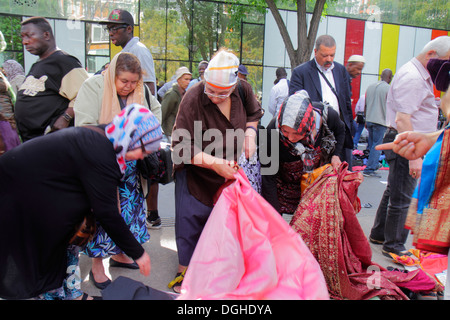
[(327, 93), (278, 94)]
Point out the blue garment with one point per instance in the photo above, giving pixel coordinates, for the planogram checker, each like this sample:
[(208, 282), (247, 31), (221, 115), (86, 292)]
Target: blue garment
[(70, 289), (376, 134), (359, 127), (430, 166), (133, 212), (189, 224)]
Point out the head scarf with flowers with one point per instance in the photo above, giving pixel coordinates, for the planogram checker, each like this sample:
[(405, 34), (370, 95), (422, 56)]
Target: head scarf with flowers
[(134, 127)]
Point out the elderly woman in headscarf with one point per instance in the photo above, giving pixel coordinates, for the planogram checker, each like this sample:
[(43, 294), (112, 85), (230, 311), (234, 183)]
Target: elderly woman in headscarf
[(15, 74), (99, 99), (310, 135), (204, 152), (48, 185)]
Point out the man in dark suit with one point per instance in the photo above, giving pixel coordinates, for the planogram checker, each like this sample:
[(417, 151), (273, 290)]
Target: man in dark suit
[(310, 76)]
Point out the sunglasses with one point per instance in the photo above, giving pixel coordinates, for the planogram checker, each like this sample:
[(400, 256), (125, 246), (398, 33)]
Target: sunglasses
[(114, 29)]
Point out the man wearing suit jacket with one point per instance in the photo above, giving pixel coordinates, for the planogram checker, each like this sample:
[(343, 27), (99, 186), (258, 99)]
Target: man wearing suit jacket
[(335, 90)]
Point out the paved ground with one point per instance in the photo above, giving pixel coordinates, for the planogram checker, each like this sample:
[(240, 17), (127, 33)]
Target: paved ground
[(162, 249)]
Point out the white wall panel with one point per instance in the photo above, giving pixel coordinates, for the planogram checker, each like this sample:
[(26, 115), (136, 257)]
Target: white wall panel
[(372, 47), (423, 36), (274, 48), (405, 45), (336, 27), (70, 36)]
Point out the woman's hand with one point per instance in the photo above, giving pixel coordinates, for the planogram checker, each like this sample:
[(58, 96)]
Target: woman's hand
[(225, 168), (222, 167), (144, 264), (335, 162)]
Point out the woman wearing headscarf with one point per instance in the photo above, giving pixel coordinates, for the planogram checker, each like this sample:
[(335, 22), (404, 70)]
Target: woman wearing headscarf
[(100, 98), (49, 184), (204, 155), (310, 135), (15, 74), (9, 137)]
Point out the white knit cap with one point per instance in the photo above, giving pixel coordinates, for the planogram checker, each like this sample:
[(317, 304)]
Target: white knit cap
[(222, 70), (356, 58), (181, 71)]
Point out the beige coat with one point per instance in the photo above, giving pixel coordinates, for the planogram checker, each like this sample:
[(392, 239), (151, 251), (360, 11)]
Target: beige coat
[(88, 103)]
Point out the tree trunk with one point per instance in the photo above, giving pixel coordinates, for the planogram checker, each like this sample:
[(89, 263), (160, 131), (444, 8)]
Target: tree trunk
[(305, 38)]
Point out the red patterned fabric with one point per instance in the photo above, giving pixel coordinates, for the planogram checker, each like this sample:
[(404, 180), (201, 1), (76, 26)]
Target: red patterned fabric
[(326, 220)]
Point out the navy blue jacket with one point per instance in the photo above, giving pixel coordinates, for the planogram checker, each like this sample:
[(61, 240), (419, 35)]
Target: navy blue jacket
[(306, 76)]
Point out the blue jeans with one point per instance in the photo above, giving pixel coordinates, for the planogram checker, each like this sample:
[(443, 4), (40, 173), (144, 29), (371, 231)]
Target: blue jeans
[(359, 129), (376, 134), (389, 224)]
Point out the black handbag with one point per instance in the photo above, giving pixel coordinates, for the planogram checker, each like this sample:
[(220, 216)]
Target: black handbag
[(158, 166), (360, 118), (166, 157)]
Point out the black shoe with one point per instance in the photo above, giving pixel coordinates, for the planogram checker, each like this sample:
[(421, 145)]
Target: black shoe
[(371, 174), (117, 264), (375, 241), (153, 220), (99, 285), (387, 253)]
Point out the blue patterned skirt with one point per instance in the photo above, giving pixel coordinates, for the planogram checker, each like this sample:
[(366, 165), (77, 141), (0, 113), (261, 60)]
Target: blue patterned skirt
[(133, 212)]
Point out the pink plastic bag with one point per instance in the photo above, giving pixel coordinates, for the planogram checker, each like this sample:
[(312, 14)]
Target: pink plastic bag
[(248, 251)]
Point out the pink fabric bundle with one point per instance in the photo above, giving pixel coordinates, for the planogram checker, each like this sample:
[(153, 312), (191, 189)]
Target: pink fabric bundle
[(248, 251)]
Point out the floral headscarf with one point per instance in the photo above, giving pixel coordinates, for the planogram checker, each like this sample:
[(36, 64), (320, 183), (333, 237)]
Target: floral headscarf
[(297, 113), (134, 126)]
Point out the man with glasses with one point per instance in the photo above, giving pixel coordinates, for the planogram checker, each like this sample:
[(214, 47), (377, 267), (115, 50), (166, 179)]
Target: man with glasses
[(120, 26)]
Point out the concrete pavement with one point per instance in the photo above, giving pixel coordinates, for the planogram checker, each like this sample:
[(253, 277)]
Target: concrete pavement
[(162, 248)]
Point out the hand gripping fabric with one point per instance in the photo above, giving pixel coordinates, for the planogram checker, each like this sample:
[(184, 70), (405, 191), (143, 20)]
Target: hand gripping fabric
[(248, 251)]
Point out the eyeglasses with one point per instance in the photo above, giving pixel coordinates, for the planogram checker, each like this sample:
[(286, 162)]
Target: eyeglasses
[(114, 29), (219, 96)]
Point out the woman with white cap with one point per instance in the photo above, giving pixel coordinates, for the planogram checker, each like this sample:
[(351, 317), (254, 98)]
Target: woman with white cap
[(201, 167)]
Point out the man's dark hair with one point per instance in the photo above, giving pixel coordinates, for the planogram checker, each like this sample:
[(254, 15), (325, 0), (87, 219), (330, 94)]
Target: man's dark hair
[(40, 22)]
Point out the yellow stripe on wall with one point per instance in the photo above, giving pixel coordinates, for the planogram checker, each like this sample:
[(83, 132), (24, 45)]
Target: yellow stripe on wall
[(389, 47), (116, 49)]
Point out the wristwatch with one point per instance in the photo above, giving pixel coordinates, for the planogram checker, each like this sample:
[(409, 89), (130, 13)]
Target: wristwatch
[(67, 117)]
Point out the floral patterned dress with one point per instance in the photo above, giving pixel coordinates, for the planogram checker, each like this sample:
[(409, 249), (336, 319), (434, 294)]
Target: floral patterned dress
[(133, 212)]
